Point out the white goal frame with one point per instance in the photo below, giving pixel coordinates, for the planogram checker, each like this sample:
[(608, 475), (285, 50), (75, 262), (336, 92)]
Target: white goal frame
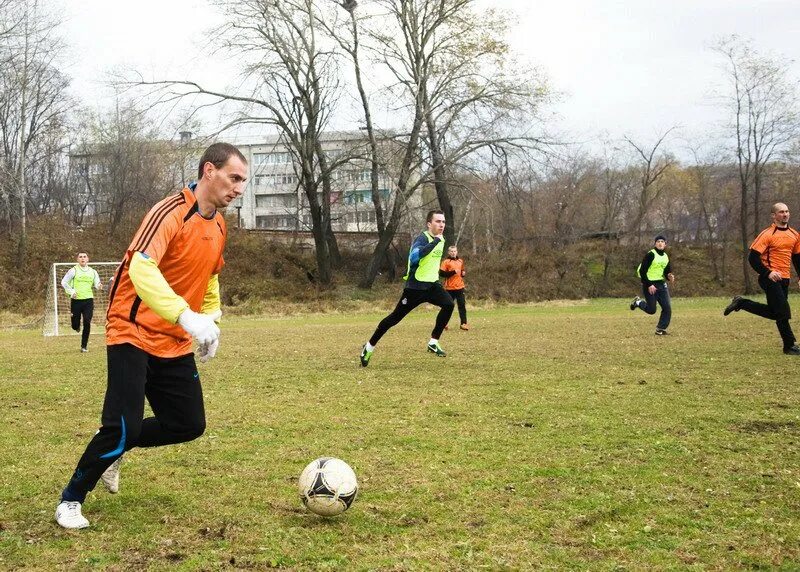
[(56, 312)]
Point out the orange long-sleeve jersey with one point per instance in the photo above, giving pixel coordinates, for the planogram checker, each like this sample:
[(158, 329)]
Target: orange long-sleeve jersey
[(187, 249), (456, 281)]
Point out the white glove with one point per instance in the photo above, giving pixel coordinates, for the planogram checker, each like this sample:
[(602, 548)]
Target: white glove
[(208, 351), (200, 326)]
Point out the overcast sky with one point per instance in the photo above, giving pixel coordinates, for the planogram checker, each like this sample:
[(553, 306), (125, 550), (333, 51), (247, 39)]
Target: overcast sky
[(632, 67)]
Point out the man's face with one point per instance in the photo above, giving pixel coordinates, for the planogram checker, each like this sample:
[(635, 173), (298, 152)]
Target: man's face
[(661, 244), (83, 259), (780, 215), (452, 252), (227, 182), (436, 226)]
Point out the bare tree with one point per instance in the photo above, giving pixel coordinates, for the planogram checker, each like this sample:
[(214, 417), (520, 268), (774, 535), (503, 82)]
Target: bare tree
[(652, 167), (450, 66), (764, 122), (289, 82), (32, 100)]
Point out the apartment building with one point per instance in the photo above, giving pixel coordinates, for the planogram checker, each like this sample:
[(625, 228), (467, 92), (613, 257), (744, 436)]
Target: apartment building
[(273, 199)]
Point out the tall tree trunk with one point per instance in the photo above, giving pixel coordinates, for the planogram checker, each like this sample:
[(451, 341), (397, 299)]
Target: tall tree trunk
[(330, 237), (440, 180)]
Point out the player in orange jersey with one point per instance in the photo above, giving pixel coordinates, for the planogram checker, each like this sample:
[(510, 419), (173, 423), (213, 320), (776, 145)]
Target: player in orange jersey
[(453, 272), (771, 256), (164, 294)]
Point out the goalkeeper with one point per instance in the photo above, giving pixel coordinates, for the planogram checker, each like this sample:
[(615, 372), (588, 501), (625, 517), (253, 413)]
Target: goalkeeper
[(78, 283), (164, 293)]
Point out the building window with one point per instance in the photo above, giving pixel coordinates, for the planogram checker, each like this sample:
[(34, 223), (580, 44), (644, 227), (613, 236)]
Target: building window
[(275, 158), (282, 200), (275, 222)]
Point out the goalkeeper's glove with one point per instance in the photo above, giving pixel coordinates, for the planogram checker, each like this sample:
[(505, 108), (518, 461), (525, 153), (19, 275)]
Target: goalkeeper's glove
[(207, 351), (200, 326)]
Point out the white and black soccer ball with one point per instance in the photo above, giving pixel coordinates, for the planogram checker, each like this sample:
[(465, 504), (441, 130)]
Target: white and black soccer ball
[(328, 486)]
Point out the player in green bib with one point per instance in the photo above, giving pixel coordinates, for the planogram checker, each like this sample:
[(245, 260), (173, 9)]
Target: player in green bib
[(78, 284), (422, 285), (655, 271)]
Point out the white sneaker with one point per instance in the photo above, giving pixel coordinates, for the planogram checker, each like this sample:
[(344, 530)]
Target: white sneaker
[(68, 515), (110, 477)]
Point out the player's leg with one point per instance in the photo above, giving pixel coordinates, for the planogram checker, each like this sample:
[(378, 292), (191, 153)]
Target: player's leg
[(771, 289), (462, 309), (176, 397), (648, 303), (409, 300), (437, 296), (75, 314), (662, 296), (86, 313), (778, 302), (123, 409)]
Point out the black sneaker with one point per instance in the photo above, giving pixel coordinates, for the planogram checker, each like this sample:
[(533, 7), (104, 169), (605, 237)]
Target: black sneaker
[(733, 306), (635, 302), (792, 351), (660, 332)]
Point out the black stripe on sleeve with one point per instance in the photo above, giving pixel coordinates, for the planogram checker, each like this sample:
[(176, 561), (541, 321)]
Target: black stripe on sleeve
[(155, 220), (145, 241)]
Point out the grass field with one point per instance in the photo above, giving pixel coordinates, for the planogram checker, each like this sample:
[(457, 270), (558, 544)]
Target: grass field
[(554, 436)]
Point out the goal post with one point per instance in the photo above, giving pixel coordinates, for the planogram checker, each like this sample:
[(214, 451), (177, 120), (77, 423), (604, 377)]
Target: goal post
[(56, 311)]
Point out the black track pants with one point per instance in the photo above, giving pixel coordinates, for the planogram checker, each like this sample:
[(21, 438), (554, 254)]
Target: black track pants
[(409, 300), (82, 309), (171, 387), (662, 298), (777, 307), (458, 298)]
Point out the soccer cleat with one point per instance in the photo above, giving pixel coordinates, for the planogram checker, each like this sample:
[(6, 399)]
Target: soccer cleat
[(84, 350), (365, 355), (436, 349), (660, 332), (110, 477), (635, 302), (792, 351), (734, 306), (464, 327), (68, 515)]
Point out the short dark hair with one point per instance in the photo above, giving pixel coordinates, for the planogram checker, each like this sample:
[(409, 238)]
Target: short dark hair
[(218, 154), (433, 212)]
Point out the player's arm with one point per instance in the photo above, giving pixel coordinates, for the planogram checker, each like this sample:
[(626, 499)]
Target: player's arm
[(153, 288), (155, 291), (445, 271), (211, 300), (646, 262), (754, 258), (796, 264), (421, 248), (668, 272), (97, 283), (66, 282)]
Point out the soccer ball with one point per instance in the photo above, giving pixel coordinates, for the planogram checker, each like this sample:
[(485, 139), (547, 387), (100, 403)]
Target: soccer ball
[(328, 486)]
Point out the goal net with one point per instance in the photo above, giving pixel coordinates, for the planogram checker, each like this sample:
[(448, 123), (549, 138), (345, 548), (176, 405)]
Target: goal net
[(56, 312)]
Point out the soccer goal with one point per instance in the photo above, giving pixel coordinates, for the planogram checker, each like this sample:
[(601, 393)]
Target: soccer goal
[(57, 314)]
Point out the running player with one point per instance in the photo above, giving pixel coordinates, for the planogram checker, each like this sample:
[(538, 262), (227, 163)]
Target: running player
[(453, 272), (165, 293), (654, 272), (771, 254), (422, 285), (78, 283)]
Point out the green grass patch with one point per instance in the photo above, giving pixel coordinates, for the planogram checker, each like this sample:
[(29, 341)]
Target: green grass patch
[(553, 436)]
